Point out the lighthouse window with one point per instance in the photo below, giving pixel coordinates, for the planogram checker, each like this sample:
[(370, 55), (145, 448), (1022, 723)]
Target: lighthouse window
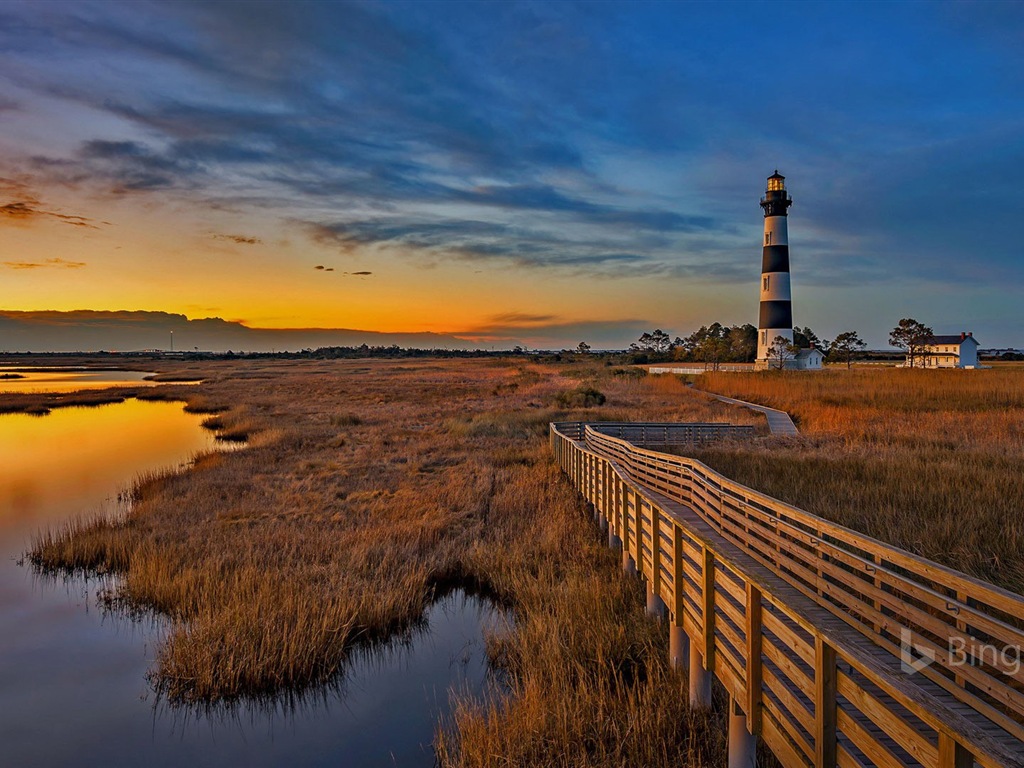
[(767, 238), (766, 279), (764, 337)]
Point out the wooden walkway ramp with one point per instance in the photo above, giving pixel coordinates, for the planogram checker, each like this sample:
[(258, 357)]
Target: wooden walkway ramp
[(836, 649), (779, 422)]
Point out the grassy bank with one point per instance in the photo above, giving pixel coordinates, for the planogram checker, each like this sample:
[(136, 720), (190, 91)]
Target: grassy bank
[(930, 461), (365, 488)]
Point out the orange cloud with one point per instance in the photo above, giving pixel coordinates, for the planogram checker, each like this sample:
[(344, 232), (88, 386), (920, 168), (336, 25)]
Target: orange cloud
[(27, 207), (46, 264)]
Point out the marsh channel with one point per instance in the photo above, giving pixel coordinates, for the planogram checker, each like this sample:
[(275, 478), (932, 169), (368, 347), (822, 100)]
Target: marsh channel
[(73, 676)]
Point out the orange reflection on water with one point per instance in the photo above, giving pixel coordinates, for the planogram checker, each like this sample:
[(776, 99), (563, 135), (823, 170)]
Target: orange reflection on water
[(76, 460), (69, 380)]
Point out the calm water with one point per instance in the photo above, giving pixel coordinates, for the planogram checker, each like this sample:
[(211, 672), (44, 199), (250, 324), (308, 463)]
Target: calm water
[(69, 379), (72, 680)]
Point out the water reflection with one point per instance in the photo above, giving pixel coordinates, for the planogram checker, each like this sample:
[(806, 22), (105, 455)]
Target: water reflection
[(68, 379), (73, 688), (75, 460)]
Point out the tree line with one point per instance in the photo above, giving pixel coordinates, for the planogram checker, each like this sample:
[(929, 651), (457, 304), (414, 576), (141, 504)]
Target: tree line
[(716, 344)]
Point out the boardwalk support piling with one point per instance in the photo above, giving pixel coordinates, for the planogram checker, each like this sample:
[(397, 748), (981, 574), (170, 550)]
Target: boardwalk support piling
[(700, 679), (628, 565), (678, 646), (742, 743), (655, 605)]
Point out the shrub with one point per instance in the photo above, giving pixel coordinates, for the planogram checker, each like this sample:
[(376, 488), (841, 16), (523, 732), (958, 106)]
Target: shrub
[(581, 397)]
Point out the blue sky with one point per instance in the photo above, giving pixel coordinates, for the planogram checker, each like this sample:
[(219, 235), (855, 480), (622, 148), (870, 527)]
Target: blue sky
[(515, 171)]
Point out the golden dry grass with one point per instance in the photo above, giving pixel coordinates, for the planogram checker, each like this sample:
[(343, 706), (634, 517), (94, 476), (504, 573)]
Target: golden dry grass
[(931, 461), (367, 487)]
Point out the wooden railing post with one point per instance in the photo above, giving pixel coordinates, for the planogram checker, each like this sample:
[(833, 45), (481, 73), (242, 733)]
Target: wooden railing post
[(952, 754), (825, 675), (638, 530), (655, 605), (628, 561), (753, 632), (708, 606)]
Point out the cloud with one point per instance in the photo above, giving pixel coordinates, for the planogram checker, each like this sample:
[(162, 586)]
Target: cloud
[(27, 208), (240, 239), (521, 318), (557, 332), (359, 274), (130, 166), (46, 264)]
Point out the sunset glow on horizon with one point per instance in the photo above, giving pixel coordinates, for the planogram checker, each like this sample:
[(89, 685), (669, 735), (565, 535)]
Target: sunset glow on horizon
[(511, 173)]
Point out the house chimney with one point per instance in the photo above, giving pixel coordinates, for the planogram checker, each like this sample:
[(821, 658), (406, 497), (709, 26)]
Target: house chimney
[(962, 335), (971, 334), (812, 345)]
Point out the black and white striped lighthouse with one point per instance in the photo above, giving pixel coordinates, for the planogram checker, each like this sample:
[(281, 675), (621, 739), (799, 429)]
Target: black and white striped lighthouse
[(776, 316)]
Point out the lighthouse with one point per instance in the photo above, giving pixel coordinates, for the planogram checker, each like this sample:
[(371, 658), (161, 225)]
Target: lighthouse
[(776, 315)]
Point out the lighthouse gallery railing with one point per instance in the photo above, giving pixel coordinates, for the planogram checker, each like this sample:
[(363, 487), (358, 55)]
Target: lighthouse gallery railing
[(840, 649)]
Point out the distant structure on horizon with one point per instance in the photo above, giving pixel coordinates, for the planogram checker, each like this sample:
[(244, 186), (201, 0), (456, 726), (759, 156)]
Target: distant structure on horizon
[(951, 351), (775, 317)]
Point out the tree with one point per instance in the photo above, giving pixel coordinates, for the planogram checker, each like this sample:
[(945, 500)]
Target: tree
[(781, 352), (743, 343), (913, 337), (846, 345), (582, 348), (712, 350), (655, 341), (805, 337)]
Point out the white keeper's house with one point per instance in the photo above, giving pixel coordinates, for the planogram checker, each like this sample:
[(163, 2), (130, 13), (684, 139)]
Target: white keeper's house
[(952, 352), (807, 360)]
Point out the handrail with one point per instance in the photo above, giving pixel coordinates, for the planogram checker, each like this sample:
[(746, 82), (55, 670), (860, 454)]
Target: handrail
[(824, 605), (657, 433)]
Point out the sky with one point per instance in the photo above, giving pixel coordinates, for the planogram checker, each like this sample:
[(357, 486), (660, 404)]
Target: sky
[(537, 173)]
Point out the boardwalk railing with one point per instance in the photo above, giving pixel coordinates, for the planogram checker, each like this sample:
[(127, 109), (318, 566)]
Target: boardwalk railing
[(647, 434), (835, 648)]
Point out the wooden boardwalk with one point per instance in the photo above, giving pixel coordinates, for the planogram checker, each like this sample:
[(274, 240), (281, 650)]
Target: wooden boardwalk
[(779, 422), (836, 649)]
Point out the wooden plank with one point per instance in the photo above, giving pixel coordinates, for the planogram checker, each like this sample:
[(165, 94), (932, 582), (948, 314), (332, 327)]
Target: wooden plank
[(732, 636), (789, 701), (729, 671), (728, 608), (953, 755), (873, 748), (804, 649), (708, 606), (958, 609), (790, 747), (753, 636), (983, 680), (845, 759), (678, 603), (892, 723), (796, 676), (824, 703)]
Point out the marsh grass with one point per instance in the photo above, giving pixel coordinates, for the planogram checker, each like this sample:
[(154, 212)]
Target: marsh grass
[(366, 488), (931, 461)]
